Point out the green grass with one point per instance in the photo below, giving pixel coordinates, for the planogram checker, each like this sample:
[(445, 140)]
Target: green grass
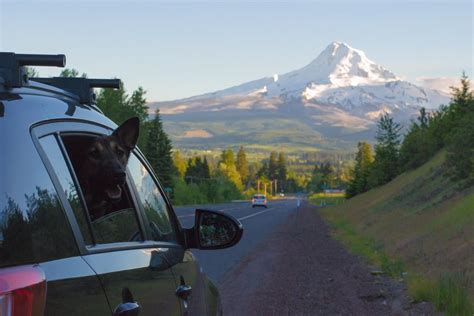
[(448, 293), (364, 246), (421, 222), (327, 199)]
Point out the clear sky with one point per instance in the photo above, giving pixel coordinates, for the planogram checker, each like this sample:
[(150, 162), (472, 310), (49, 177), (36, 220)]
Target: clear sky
[(176, 49)]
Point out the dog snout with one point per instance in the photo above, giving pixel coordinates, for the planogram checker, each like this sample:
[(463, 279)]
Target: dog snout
[(119, 176)]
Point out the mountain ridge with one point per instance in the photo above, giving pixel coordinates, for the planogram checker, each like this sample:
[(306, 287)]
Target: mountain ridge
[(340, 89)]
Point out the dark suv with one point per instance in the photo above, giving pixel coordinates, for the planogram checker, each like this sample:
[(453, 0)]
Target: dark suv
[(56, 259)]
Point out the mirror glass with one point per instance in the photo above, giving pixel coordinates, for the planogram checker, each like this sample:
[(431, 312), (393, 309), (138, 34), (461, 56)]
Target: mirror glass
[(216, 230)]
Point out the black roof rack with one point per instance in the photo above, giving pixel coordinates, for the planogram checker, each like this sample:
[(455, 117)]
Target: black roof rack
[(82, 87), (12, 71), (13, 75)]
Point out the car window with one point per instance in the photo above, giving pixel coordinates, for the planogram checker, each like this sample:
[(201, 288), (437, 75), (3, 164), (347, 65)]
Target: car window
[(33, 225), (110, 221), (161, 226), (51, 147)]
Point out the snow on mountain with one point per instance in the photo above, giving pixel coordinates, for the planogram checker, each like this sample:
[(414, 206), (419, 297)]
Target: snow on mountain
[(341, 76)]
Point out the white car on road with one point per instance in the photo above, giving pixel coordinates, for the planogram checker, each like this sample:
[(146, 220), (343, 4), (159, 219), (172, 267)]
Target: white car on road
[(259, 200)]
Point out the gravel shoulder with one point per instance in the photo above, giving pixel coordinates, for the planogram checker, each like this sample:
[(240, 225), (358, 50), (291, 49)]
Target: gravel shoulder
[(300, 270)]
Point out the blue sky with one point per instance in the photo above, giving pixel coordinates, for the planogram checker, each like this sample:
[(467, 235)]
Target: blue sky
[(176, 49)]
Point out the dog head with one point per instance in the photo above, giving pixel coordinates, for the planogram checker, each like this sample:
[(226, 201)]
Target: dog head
[(105, 162)]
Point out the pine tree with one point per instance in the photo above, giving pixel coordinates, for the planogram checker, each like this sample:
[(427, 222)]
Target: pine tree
[(272, 166), (281, 171), (158, 148), (416, 148), (386, 163), (241, 164), (137, 103), (460, 140), (462, 97), (360, 173)]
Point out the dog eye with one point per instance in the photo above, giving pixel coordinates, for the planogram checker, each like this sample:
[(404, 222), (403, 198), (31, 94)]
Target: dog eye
[(94, 153), (119, 151)]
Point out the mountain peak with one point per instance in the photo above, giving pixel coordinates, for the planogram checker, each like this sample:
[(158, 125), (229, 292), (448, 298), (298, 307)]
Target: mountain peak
[(344, 65)]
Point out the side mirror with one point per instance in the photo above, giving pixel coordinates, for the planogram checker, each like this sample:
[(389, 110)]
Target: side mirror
[(213, 230)]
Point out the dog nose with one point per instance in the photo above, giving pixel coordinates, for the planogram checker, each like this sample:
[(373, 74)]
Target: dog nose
[(119, 176)]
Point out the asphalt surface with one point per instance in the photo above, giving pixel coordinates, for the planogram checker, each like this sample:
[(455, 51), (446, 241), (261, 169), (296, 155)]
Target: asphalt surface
[(258, 223)]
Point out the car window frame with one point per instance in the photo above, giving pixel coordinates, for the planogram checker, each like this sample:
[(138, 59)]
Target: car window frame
[(173, 217), (71, 127)]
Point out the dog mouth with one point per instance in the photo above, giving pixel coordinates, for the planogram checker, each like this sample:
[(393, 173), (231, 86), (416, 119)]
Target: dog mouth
[(114, 193)]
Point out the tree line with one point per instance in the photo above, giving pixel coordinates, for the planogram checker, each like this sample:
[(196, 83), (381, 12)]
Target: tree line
[(450, 128)]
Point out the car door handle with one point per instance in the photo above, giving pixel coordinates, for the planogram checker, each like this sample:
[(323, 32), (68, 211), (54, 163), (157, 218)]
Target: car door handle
[(183, 291), (127, 309)]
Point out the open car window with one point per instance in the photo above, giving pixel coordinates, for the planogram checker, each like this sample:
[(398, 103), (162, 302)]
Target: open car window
[(101, 220)]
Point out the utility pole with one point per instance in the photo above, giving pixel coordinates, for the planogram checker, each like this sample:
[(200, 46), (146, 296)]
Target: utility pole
[(276, 191), (258, 186), (265, 186), (271, 188)]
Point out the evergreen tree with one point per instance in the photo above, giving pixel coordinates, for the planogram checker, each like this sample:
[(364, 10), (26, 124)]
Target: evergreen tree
[(114, 104), (71, 73), (158, 148), (360, 173), (462, 97), (137, 103), (460, 140), (386, 162), (281, 171), (241, 164), (272, 166), (416, 148)]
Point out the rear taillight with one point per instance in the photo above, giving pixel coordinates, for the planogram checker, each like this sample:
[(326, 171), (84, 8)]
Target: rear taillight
[(22, 291), (253, 201)]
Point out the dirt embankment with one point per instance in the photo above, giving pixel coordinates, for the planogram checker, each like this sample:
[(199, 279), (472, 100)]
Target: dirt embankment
[(301, 270)]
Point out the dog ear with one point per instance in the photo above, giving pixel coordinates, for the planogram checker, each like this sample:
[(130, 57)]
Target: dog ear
[(128, 132)]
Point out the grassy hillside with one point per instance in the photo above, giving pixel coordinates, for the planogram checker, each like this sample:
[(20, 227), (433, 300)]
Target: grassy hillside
[(421, 220)]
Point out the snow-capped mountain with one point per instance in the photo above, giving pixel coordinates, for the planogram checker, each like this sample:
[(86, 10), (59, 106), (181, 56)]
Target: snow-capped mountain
[(341, 88)]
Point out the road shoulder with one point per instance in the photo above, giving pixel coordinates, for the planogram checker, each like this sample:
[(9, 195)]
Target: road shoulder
[(300, 270)]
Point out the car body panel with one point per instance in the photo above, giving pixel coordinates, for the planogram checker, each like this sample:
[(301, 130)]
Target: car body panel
[(73, 288), (145, 273)]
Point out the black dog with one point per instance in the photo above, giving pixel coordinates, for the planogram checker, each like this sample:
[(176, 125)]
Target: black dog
[(101, 166)]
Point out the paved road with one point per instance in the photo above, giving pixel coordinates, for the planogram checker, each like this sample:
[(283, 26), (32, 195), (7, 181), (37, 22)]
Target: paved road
[(258, 223)]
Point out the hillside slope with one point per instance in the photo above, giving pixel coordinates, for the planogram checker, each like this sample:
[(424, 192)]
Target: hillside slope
[(421, 218)]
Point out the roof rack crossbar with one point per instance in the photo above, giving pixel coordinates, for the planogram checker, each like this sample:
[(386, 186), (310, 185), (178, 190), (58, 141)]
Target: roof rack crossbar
[(41, 60), (82, 87), (12, 71)]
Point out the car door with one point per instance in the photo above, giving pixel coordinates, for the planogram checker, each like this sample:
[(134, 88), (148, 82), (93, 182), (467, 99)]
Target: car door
[(133, 273), (162, 225), (35, 229)]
